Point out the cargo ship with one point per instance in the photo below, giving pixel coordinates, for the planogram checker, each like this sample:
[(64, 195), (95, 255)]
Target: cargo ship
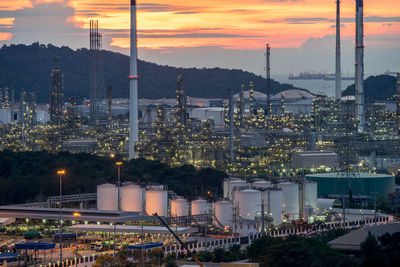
[(307, 76), (317, 76)]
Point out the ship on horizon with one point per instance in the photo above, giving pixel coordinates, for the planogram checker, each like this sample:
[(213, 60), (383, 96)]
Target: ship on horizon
[(316, 76)]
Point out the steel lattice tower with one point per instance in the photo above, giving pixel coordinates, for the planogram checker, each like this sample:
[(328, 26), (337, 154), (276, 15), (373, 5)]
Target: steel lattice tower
[(181, 102), (56, 94), (97, 91)]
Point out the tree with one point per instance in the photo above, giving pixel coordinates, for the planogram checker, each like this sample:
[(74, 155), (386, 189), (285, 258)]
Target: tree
[(104, 261)]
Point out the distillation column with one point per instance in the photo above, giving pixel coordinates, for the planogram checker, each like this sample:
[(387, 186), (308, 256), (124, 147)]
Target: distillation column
[(133, 87), (359, 66)]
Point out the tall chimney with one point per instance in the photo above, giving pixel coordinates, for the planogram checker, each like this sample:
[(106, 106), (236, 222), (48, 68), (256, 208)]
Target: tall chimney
[(398, 100), (359, 66), (338, 86), (268, 55), (133, 87), (231, 140)]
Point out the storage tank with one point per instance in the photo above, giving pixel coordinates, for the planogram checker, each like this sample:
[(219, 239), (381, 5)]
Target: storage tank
[(179, 207), (223, 212), (290, 199), (272, 199), (157, 202), (230, 185), (261, 184), (249, 202), (131, 198), (310, 194), (199, 206), (107, 197)]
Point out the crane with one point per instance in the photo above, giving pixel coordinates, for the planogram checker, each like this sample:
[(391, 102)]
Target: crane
[(179, 240)]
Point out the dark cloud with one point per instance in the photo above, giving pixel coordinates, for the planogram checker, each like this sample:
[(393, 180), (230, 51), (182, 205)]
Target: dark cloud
[(47, 23), (185, 12), (304, 20), (198, 35)]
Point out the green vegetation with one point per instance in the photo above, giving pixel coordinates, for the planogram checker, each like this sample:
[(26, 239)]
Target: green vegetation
[(382, 87), (297, 251), (222, 255), (31, 176), (384, 253), (29, 67)]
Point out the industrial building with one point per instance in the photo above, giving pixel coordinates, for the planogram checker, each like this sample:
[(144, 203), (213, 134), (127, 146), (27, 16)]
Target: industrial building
[(315, 159)]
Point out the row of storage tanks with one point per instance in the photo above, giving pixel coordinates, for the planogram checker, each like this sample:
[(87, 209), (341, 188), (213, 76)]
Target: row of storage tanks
[(154, 199), (282, 201), (149, 200)]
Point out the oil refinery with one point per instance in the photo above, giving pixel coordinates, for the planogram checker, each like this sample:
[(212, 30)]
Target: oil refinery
[(296, 163)]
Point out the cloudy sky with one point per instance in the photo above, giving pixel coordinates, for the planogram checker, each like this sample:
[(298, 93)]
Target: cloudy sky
[(211, 33)]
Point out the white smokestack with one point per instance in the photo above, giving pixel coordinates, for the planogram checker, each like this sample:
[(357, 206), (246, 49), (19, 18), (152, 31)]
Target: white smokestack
[(338, 85), (359, 64), (133, 86)]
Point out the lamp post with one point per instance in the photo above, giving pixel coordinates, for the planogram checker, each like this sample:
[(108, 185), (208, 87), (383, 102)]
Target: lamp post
[(76, 215), (60, 174), (118, 163)]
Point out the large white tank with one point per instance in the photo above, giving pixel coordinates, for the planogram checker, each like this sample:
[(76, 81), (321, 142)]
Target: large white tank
[(223, 212), (179, 207), (310, 194), (249, 202), (261, 184), (157, 202), (107, 197), (230, 185), (131, 196), (272, 199), (199, 206), (290, 197)]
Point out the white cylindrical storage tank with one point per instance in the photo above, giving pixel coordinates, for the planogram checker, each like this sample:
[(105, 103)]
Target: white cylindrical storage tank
[(199, 206), (131, 196), (107, 197), (249, 202), (275, 205), (179, 207), (157, 202), (290, 198), (232, 184), (223, 212), (261, 184), (310, 194)]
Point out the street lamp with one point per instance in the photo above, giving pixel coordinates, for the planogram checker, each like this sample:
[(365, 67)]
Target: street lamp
[(76, 215), (118, 163), (60, 174)]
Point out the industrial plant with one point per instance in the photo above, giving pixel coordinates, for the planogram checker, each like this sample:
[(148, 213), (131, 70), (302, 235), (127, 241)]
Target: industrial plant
[(296, 162)]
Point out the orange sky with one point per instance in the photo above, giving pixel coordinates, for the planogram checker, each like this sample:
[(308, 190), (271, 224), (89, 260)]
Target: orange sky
[(238, 24)]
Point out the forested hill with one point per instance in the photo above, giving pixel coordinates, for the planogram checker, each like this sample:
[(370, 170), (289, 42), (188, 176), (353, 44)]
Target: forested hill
[(381, 87), (29, 67)]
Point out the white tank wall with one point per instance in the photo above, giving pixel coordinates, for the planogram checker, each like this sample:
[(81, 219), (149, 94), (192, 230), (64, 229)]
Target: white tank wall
[(231, 185), (107, 197), (179, 207), (310, 194), (273, 203), (261, 184), (223, 212), (131, 198), (199, 206), (249, 202), (157, 202), (290, 198)]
